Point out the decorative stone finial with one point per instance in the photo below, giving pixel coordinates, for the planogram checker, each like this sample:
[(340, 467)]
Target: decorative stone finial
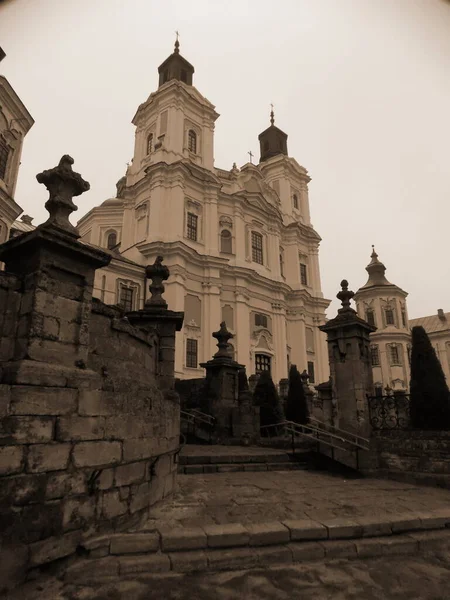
[(304, 377), (345, 295), (272, 115), (157, 273), (177, 44), (222, 336), (62, 184)]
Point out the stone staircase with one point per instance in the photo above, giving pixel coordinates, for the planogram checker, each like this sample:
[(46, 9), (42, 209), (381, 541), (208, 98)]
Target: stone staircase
[(226, 459)]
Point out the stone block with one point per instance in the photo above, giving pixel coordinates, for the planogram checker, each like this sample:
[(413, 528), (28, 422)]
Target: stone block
[(5, 396), (54, 548), (78, 512), (140, 497), (374, 526), (151, 563), (272, 555), (163, 465), (265, 534), (26, 430), (137, 449), (409, 524), (96, 454), (431, 540), (94, 403), (60, 485), (47, 457), (435, 519), (182, 539), (189, 562), (194, 469), (234, 558), (79, 428), (304, 551), (98, 541), (24, 489), (92, 571), (306, 529), (13, 566), (33, 400), (134, 543), (339, 549), (369, 547), (399, 545), (113, 506), (341, 528), (106, 479), (255, 467), (156, 489), (170, 483), (131, 473), (223, 536)]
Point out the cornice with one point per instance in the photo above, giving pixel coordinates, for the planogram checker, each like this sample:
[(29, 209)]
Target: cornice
[(15, 105), (379, 291)]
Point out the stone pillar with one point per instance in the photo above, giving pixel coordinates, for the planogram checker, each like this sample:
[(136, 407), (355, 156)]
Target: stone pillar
[(164, 322), (351, 371), (57, 273)]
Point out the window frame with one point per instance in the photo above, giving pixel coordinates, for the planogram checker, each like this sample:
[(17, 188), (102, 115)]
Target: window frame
[(389, 311), (257, 248), (192, 141), (311, 371), (261, 361), (228, 237), (263, 320), (191, 353), (295, 201), (371, 321), (303, 274), (5, 152), (394, 355), (108, 246), (127, 288), (375, 355), (192, 226), (150, 143)]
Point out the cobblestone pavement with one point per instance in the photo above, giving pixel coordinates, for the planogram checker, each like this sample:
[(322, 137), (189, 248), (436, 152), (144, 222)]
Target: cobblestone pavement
[(395, 578), (253, 497)]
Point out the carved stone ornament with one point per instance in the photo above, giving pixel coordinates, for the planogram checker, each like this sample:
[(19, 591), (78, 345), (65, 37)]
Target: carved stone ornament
[(62, 184), (222, 336), (345, 295), (157, 273)]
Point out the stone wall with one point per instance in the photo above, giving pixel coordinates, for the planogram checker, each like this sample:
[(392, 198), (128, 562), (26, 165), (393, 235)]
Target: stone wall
[(190, 391), (415, 456), (9, 313)]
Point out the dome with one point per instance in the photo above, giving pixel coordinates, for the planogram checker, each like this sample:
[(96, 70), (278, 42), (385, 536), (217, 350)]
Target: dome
[(112, 202)]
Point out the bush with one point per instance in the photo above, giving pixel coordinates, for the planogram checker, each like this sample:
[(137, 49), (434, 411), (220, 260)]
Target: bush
[(296, 404), (266, 397), (429, 393)]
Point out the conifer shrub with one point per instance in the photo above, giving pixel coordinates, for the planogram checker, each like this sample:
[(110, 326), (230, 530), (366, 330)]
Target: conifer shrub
[(296, 405), (429, 393), (266, 397)]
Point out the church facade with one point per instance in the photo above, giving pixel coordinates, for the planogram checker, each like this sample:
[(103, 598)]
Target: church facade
[(239, 243)]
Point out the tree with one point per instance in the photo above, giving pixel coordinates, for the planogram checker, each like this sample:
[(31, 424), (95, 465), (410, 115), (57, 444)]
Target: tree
[(296, 405), (429, 393), (266, 397)]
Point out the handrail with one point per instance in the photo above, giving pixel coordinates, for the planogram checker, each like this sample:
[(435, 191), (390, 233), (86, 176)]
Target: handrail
[(202, 414), (338, 429), (191, 417)]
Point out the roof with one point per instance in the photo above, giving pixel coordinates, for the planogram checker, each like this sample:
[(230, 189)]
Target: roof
[(113, 253), (112, 202), (21, 226), (432, 323)]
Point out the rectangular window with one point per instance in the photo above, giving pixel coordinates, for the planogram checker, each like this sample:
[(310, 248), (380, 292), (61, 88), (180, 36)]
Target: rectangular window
[(262, 363), (390, 316), (126, 298), (395, 355), (260, 320), (257, 247), (409, 354), (303, 274), (281, 264), (375, 356), (192, 226), (311, 372), (370, 317), (191, 353), (4, 152), (403, 318)]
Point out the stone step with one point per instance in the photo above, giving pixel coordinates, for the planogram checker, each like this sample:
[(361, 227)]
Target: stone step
[(212, 455), (232, 468), (231, 546)]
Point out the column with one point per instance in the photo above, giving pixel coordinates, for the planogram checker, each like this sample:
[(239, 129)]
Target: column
[(280, 343), (242, 327)]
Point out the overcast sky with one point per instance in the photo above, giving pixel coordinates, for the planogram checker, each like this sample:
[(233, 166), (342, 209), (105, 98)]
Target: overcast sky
[(362, 88)]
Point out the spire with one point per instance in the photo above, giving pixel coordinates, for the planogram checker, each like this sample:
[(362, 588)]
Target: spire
[(376, 270), (272, 141), (272, 117), (176, 67)]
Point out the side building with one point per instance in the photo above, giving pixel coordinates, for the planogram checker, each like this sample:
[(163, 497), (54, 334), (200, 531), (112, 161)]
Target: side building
[(15, 123), (239, 243), (438, 328)]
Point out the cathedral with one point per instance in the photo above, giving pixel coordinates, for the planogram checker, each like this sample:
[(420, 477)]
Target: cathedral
[(239, 243)]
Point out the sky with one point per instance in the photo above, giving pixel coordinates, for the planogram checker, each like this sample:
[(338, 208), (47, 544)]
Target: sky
[(361, 87)]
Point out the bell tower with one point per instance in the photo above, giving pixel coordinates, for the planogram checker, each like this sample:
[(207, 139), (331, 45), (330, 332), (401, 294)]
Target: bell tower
[(272, 141)]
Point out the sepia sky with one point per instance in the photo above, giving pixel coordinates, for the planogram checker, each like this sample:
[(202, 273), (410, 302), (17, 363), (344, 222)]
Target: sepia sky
[(362, 88)]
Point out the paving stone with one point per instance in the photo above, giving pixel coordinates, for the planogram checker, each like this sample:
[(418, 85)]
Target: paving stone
[(236, 558), (255, 467), (399, 545), (270, 555), (435, 519), (209, 468), (182, 539), (399, 525), (373, 526), (134, 543), (340, 528), (306, 529), (262, 534), (186, 562), (229, 468), (193, 469), (304, 551), (339, 549), (151, 563), (90, 571), (231, 534), (428, 540), (369, 547)]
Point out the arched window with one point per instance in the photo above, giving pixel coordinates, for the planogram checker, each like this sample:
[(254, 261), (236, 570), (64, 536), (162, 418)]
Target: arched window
[(226, 242), (192, 141), (150, 143), (112, 240)]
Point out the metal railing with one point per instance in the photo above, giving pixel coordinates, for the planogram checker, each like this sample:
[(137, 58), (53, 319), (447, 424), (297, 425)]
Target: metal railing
[(198, 420), (389, 412), (321, 433)]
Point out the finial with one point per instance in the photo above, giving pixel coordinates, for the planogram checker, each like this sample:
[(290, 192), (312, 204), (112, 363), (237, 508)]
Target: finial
[(345, 295), (374, 254), (222, 336), (157, 273), (177, 44), (62, 184), (272, 116)]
